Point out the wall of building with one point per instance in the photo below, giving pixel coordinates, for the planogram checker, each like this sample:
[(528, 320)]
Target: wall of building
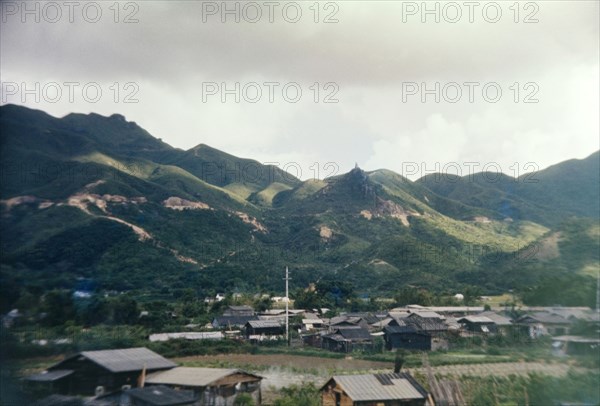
[(328, 398), (408, 341)]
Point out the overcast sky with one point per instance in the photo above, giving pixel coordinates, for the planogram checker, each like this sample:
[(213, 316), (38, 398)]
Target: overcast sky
[(377, 61)]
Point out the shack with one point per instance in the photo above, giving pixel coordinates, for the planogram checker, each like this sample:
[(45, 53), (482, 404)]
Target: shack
[(478, 324), (406, 337), (98, 372), (259, 330), (388, 389), (211, 385)]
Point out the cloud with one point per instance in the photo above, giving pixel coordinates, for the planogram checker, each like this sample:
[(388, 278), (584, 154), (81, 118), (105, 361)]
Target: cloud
[(369, 54)]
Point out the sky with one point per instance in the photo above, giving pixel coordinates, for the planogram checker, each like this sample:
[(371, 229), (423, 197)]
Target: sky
[(317, 87)]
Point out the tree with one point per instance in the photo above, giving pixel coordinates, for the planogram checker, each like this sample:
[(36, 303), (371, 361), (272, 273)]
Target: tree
[(472, 295), (58, 306), (262, 304), (191, 309), (566, 290), (124, 310), (27, 301), (411, 295), (95, 311), (335, 291), (307, 299)]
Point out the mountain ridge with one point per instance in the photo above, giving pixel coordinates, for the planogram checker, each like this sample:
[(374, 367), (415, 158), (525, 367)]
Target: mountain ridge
[(84, 177)]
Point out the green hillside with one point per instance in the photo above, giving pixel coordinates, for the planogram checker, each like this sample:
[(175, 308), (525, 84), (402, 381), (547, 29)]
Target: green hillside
[(98, 201), (549, 196)]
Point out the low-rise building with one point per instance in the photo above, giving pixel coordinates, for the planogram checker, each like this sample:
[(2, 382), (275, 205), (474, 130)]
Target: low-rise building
[(243, 310), (478, 324), (195, 335), (231, 322), (498, 319), (544, 323), (347, 339), (312, 324), (213, 386), (260, 330), (576, 345), (391, 389), (406, 337), (97, 372)]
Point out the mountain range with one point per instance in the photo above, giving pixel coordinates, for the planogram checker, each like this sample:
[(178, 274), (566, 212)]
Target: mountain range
[(97, 203)]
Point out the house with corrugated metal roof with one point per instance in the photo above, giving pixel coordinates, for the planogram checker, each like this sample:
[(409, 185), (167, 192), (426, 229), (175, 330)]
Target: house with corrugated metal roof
[(260, 330), (427, 322), (347, 339), (230, 322), (357, 334), (234, 317), (478, 324), (499, 320), (312, 324), (98, 372), (388, 389), (543, 323), (335, 342), (212, 386), (406, 337), (340, 321), (424, 323), (243, 310), (188, 335)]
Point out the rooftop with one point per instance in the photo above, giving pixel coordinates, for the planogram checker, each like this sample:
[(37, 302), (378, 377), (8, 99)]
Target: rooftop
[(427, 314), (353, 333), (162, 396), (234, 320), (48, 376), (264, 323), (241, 308), (400, 329), (449, 309), (544, 317), (201, 335), (124, 360), (476, 319), (427, 324), (379, 387), (312, 321), (499, 319), (194, 377)]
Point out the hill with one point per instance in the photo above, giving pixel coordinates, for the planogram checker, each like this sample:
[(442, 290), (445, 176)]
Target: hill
[(549, 196), (97, 201)]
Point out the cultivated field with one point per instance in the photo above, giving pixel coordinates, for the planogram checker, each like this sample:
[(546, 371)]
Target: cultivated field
[(280, 370)]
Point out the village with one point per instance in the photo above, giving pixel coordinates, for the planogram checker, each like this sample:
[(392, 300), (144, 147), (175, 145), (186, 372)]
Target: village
[(140, 376)]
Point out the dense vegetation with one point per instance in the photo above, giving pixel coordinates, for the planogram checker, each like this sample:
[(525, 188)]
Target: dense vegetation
[(357, 236), (576, 388)]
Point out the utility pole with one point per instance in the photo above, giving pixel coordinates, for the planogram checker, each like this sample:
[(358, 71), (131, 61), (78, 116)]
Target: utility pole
[(287, 314)]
